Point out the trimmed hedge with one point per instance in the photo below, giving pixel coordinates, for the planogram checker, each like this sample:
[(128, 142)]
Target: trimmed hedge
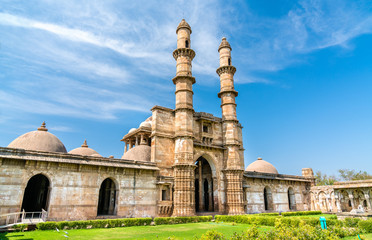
[(247, 219), (268, 214), (178, 220), (365, 225), (104, 223), (301, 213)]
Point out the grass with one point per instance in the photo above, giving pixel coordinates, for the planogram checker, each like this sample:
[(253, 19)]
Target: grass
[(366, 236), (180, 231)]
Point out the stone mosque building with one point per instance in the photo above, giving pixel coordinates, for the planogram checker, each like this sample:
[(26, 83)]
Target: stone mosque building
[(178, 162)]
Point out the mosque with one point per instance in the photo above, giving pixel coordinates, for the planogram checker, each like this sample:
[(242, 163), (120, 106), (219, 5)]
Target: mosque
[(178, 162)]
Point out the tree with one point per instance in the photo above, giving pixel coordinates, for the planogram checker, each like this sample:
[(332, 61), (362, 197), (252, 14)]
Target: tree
[(350, 175), (324, 179)]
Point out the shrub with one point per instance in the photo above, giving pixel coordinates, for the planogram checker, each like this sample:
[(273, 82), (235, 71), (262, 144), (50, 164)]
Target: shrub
[(351, 222), (19, 227), (178, 220), (301, 213), (104, 223), (365, 225), (212, 235), (268, 214)]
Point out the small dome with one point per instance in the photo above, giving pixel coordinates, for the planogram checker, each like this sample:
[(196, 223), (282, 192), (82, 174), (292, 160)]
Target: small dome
[(224, 44), (138, 153), (85, 151), (145, 124), (183, 24), (132, 129), (40, 140), (261, 166)]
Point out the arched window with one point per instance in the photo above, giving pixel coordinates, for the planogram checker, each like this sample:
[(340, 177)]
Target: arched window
[(36, 194), (107, 198), (291, 199), (187, 44), (268, 200)]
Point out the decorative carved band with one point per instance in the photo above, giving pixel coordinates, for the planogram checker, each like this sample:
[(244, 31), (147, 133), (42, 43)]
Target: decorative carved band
[(227, 91), (226, 69), (183, 77), (185, 52)]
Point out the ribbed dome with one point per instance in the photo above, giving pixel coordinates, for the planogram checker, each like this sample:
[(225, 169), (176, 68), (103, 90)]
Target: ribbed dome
[(85, 151), (261, 166), (40, 140), (138, 153), (224, 44), (183, 24), (147, 123)]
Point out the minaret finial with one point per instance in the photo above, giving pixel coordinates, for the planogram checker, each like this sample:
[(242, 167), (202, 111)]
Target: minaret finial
[(42, 127), (84, 144)]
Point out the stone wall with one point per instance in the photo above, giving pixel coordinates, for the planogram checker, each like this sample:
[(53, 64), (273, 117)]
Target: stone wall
[(74, 188), (277, 188)]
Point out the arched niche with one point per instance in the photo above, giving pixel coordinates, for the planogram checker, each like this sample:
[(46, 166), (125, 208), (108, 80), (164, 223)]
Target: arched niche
[(107, 200), (291, 199), (36, 194), (268, 199), (204, 186)]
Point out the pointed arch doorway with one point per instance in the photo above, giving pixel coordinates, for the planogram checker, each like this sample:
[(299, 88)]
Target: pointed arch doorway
[(107, 198), (36, 195), (204, 201)]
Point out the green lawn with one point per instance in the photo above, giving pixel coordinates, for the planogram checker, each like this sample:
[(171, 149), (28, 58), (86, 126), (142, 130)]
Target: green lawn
[(180, 231), (366, 236)]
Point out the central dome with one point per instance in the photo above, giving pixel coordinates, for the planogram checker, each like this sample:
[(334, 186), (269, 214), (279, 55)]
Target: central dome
[(261, 166), (40, 140)]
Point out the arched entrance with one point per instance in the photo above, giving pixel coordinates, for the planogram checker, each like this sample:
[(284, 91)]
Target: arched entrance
[(36, 194), (107, 198), (268, 199), (291, 199), (203, 186)]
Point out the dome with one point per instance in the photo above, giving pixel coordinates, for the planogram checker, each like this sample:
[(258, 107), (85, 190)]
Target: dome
[(40, 140), (132, 129), (138, 153), (183, 24), (261, 166), (85, 151), (224, 44), (145, 124)]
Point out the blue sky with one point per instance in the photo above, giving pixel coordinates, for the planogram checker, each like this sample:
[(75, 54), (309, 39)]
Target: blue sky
[(93, 70)]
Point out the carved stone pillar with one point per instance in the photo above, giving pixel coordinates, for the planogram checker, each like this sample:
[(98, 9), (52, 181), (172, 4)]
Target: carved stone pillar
[(201, 186), (184, 190), (125, 147), (234, 192), (338, 203), (210, 194), (366, 195), (351, 197)]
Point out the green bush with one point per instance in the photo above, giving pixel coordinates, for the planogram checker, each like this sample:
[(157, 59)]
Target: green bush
[(300, 213), (365, 225), (178, 220), (268, 214), (351, 222), (104, 223), (19, 227)]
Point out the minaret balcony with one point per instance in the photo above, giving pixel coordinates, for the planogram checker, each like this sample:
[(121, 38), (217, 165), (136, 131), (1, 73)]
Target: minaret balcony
[(224, 69), (186, 52)]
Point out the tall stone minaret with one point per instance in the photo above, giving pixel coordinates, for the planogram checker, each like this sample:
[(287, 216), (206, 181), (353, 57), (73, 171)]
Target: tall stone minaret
[(234, 161), (184, 189)]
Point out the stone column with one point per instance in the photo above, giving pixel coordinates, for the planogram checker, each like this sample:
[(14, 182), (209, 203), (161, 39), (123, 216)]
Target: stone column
[(338, 203), (125, 147), (351, 197), (210, 194), (130, 144), (366, 195), (137, 140), (201, 186)]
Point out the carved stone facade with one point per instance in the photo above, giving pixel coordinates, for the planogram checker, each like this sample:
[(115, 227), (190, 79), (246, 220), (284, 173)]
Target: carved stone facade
[(350, 196), (178, 162)]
